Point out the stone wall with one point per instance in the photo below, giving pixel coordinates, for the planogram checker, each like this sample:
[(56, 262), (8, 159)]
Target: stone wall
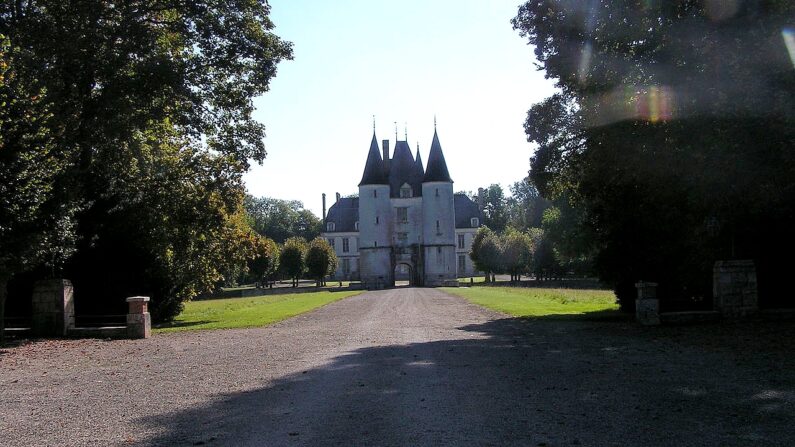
[(53, 308), (734, 289)]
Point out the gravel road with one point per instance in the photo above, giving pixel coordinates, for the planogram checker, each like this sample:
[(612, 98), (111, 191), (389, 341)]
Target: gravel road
[(408, 367)]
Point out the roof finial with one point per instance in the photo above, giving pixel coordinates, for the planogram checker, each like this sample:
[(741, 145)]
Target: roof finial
[(396, 137), (406, 130), (373, 123), (434, 122)]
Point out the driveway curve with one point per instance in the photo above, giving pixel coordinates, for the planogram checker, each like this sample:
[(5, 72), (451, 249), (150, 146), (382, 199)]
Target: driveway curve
[(407, 367)]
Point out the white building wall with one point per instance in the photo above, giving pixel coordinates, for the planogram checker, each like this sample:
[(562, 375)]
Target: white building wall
[(438, 232), (375, 230), (469, 237)]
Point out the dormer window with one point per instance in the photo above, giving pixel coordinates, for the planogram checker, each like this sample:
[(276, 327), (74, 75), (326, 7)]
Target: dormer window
[(330, 226), (405, 191), (474, 222), (356, 225)]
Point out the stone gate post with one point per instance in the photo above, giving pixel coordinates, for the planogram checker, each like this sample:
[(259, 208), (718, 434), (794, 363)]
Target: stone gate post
[(139, 322), (647, 306), (53, 308)]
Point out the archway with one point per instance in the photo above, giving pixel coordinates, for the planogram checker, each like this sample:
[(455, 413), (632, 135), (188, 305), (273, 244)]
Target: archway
[(404, 275)]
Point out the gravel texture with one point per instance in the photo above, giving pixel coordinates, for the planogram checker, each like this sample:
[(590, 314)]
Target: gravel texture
[(408, 367)]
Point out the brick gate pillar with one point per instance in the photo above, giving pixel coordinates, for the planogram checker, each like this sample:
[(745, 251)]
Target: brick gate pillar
[(139, 322)]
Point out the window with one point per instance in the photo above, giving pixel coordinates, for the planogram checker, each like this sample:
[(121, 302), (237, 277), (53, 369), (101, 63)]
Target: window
[(402, 214), (346, 266), (438, 230), (356, 225), (437, 192), (375, 193), (439, 257), (460, 241), (402, 237), (345, 245), (375, 244), (462, 263), (331, 242), (474, 222), (376, 220), (405, 191)]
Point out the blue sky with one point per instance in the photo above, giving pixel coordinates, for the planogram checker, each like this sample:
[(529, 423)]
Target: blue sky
[(404, 62)]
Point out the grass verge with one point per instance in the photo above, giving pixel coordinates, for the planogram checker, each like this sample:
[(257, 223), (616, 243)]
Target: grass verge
[(543, 303), (248, 312)]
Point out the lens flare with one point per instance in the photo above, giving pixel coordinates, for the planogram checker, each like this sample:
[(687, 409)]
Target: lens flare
[(789, 40), (585, 62)]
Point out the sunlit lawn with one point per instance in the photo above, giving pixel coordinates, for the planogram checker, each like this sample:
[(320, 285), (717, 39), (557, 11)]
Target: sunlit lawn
[(249, 312), (537, 302)]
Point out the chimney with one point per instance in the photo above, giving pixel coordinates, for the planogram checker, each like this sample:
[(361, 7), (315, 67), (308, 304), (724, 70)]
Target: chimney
[(338, 197), (324, 207), (385, 145), (481, 198)]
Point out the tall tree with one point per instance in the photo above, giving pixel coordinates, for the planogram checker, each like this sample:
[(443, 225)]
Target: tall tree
[(495, 210), (656, 131), (516, 253), (281, 219), (100, 95)]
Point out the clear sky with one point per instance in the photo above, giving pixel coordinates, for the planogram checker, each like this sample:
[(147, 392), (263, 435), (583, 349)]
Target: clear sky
[(402, 61)]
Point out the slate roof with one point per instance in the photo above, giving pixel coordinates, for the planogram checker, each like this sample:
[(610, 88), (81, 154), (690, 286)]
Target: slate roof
[(344, 214), (403, 169), (465, 210), (436, 171), (374, 173)]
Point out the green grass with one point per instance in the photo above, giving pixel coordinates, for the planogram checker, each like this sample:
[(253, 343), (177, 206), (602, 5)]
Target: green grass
[(547, 303), (248, 312)]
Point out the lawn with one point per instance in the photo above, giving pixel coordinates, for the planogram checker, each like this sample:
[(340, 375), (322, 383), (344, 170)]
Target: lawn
[(537, 302), (248, 312)]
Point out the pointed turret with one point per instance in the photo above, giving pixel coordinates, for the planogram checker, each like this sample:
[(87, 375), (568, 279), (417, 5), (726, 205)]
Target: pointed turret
[(418, 163), (374, 173), (436, 170)]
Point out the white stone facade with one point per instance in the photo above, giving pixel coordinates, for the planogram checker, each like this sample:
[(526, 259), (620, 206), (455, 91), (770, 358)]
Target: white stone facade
[(406, 223)]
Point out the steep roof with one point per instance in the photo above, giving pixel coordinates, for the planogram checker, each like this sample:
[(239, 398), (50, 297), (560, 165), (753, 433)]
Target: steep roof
[(436, 171), (374, 167), (401, 170), (417, 173), (465, 210), (344, 214)]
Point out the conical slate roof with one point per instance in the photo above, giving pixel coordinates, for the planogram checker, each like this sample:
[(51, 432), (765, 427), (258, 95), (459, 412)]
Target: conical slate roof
[(417, 173), (401, 167), (436, 170), (374, 173)]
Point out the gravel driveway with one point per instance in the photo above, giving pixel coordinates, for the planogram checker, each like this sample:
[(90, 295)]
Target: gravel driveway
[(408, 367)]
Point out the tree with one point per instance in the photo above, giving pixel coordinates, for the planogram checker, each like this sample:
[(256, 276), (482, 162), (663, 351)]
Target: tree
[(321, 260), (281, 219), (486, 252), (265, 263), (525, 206), (293, 258), (96, 96), (656, 133), (495, 213), (516, 252)]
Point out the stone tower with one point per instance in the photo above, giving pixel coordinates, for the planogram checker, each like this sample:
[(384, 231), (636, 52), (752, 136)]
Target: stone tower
[(375, 222), (438, 219)]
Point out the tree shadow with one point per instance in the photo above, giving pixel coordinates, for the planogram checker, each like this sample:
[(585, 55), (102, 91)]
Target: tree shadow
[(182, 324), (516, 381)]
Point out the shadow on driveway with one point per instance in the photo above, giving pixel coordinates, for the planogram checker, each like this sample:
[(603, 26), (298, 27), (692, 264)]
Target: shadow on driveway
[(523, 382)]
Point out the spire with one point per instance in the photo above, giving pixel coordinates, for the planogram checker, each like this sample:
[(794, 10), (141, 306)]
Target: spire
[(374, 167), (418, 162), (436, 170)]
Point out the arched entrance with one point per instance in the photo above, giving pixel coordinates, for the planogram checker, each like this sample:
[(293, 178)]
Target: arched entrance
[(404, 275)]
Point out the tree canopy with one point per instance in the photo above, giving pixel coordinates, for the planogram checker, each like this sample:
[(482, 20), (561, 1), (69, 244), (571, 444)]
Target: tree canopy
[(281, 219), (673, 131), (131, 121)]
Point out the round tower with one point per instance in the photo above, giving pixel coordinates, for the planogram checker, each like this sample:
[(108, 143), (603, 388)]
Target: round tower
[(438, 212), (375, 251)]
